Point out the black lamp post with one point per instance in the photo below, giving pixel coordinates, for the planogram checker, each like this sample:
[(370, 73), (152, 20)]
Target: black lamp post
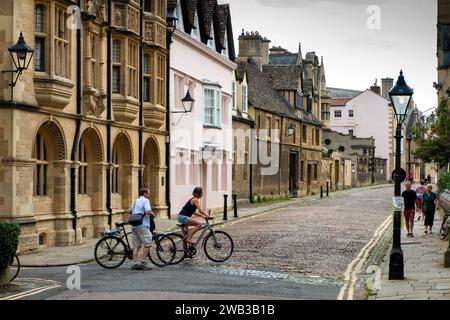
[(21, 54), (400, 96)]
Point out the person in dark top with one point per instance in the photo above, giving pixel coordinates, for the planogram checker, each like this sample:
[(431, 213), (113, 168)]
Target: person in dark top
[(410, 197), (192, 207), (430, 203)]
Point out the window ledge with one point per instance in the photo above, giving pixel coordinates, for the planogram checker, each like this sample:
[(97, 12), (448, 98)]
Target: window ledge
[(210, 126)]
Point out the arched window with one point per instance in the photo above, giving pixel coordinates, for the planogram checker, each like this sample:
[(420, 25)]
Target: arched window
[(42, 164), (83, 169), (115, 170)]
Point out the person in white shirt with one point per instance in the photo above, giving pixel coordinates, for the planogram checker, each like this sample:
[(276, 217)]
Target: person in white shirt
[(142, 236)]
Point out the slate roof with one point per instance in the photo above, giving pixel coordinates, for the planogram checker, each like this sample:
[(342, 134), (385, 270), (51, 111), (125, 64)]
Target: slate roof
[(226, 26), (207, 10), (285, 77), (209, 13), (343, 93), (261, 92)]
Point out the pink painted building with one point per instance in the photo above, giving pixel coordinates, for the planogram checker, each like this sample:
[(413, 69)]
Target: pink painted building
[(202, 55)]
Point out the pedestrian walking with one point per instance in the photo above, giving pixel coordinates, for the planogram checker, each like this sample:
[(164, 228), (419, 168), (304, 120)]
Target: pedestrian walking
[(430, 203), (420, 190), (410, 197), (141, 214)]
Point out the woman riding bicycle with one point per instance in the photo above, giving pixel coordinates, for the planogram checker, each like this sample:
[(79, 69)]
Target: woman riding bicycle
[(192, 207)]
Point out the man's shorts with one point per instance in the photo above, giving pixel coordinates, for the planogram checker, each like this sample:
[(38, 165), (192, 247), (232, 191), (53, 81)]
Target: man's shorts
[(409, 214), (142, 237)]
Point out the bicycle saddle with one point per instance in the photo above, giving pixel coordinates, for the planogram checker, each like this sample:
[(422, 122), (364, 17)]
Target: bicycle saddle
[(121, 224)]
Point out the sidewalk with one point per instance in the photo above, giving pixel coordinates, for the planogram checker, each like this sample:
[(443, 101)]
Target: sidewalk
[(425, 275), (83, 253)]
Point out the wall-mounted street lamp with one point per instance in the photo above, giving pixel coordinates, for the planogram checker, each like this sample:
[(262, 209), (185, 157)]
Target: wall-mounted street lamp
[(21, 54), (188, 107), (291, 129), (400, 96)]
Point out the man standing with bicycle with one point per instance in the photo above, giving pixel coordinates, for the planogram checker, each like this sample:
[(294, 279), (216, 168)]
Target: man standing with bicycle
[(142, 237)]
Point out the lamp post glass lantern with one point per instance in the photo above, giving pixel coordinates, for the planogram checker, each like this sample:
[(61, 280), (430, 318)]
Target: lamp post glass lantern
[(188, 103), (400, 96), (291, 129), (21, 54)]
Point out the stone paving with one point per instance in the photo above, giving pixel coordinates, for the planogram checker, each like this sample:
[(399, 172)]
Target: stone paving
[(65, 256), (313, 238), (425, 275)]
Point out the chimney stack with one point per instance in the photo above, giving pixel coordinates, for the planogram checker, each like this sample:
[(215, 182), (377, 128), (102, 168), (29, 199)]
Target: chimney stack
[(252, 45), (376, 88), (387, 85)]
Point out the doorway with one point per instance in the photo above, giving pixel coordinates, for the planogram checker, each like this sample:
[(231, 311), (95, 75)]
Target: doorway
[(308, 179), (293, 174)]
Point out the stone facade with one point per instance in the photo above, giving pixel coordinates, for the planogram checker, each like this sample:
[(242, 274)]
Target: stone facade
[(355, 164), (61, 128), (277, 101)]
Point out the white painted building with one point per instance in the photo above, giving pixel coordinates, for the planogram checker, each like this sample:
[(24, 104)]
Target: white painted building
[(202, 55), (365, 115)]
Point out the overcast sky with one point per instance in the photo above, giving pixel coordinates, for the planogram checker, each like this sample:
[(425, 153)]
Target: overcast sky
[(354, 54)]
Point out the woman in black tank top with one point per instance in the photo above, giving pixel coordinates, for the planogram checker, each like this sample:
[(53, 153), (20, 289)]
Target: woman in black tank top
[(192, 207)]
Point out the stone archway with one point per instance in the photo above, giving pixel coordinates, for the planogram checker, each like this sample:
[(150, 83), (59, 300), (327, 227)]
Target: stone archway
[(153, 174)]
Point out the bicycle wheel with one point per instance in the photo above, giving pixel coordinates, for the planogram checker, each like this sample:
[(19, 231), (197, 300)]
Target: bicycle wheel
[(180, 247), (110, 252), (162, 251), (444, 231), (218, 246), (14, 268)]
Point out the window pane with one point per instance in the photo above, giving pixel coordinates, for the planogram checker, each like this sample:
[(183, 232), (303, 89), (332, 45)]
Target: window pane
[(116, 80), (39, 16), (147, 89), (116, 51), (146, 64), (39, 54)]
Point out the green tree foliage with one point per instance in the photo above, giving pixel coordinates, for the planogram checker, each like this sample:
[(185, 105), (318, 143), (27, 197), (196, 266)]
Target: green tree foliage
[(9, 240), (433, 140)]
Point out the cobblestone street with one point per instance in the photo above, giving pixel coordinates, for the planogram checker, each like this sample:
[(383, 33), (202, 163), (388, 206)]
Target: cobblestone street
[(319, 238), (296, 252)]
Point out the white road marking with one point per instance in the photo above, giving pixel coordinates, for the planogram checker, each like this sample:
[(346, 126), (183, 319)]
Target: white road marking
[(350, 275), (50, 284)]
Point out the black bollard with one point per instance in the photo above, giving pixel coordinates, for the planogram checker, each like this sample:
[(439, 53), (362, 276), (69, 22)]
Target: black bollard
[(328, 188), (321, 191), (235, 205), (225, 207)]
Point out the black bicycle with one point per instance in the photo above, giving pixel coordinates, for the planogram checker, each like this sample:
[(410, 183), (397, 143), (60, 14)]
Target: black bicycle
[(218, 245), (14, 268), (443, 234), (114, 248)]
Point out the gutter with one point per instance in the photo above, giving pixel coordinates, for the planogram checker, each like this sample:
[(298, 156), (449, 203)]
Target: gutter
[(108, 113), (141, 91), (168, 126), (76, 139)]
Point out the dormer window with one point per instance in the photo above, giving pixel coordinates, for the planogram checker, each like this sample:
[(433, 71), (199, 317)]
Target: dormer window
[(211, 43), (196, 28), (225, 44)]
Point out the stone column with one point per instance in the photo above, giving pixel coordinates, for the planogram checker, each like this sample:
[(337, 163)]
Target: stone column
[(16, 198), (158, 193), (64, 232), (100, 219)]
